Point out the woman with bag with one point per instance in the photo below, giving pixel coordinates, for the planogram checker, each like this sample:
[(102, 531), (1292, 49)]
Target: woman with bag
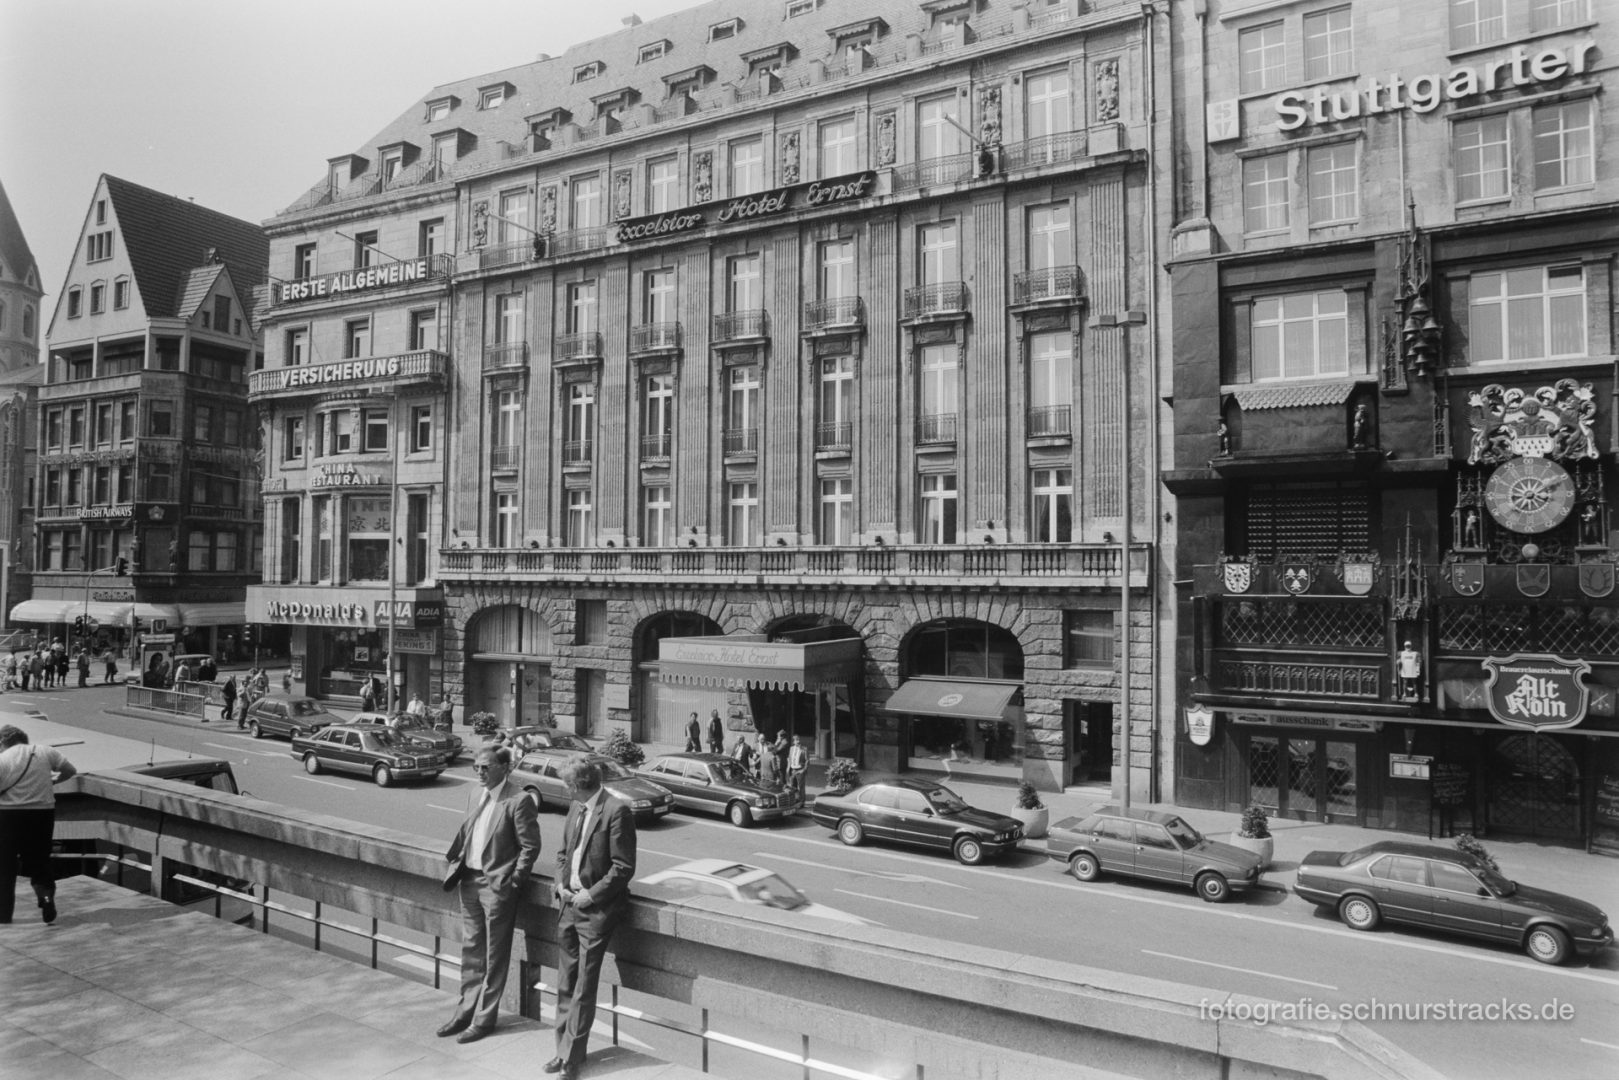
[(28, 775)]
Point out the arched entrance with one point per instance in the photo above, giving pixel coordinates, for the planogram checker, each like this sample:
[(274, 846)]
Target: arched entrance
[(1534, 787), (666, 706), (961, 699), (509, 666)]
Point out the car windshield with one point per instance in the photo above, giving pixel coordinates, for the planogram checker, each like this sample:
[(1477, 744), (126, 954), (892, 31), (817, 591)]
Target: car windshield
[(382, 739), (730, 772), (305, 708), (612, 770), (562, 740), (1500, 886), (406, 720), (1185, 836), (945, 801), (773, 892)]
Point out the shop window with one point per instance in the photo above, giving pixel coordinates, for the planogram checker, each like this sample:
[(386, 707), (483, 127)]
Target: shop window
[(1088, 639), (590, 622), (366, 538)]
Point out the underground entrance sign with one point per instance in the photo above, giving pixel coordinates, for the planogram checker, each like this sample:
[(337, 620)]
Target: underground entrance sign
[(1536, 691)]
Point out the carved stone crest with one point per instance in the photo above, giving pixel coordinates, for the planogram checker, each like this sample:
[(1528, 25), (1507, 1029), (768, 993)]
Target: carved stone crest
[(1106, 77), (789, 157), (621, 195), (1237, 572), (1556, 422), (702, 176), (887, 142)]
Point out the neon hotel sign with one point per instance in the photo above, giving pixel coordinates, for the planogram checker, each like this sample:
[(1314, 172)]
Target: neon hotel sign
[(1425, 93)]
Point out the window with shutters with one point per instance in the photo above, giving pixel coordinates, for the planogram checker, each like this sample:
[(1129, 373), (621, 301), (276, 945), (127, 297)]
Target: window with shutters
[(1292, 520)]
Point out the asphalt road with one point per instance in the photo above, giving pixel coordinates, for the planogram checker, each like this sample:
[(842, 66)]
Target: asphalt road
[(1270, 945)]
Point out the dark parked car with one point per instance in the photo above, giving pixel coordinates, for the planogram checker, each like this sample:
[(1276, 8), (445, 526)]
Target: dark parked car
[(921, 813), (1153, 845), (287, 716), (714, 784), (377, 752), (1447, 890), (539, 773), (416, 730)]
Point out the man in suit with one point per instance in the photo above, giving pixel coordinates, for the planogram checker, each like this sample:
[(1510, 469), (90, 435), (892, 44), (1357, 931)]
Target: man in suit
[(594, 868), (490, 859)]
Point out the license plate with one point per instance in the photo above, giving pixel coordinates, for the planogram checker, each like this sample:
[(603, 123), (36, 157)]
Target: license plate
[(656, 810)]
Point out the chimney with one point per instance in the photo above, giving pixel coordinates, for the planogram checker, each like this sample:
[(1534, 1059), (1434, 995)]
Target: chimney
[(631, 20), (542, 58)]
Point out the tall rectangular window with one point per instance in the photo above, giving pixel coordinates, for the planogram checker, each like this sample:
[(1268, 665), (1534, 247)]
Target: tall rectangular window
[(322, 505), (75, 486), (1264, 194), (104, 424), (587, 201), (581, 422), (747, 166), (120, 294), (508, 431), (936, 253), (430, 238), (939, 132), (98, 298), (662, 184), (1563, 142), (75, 426), (297, 346), (1482, 161), (1328, 44), (506, 515), (202, 424), (292, 438), (303, 262), (424, 329), (838, 149), (365, 249), (657, 516), (418, 552), (377, 424), (940, 369), (580, 523), (658, 304), (1334, 183), (742, 409), (657, 415), (1477, 22), (746, 283), (515, 227), (837, 511), (292, 540), (365, 538), (938, 511), (126, 483), (1051, 237), (342, 440), (509, 319), (1261, 58), (126, 421), (581, 307), (1051, 520), (742, 500), (1533, 313), (835, 414), (356, 338), (837, 269), (101, 493), (1300, 336), (1051, 384), (1550, 14), (1047, 103)]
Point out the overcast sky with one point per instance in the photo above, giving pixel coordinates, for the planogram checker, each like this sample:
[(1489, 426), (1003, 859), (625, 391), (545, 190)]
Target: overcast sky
[(236, 104)]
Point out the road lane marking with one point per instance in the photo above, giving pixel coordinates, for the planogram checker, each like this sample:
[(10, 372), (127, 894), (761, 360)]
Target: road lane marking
[(1605, 1046), (450, 809), (1244, 971), (244, 750), (904, 903), (886, 875), (328, 783)]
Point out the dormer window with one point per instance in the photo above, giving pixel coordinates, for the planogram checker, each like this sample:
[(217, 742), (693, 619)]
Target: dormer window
[(857, 34), (688, 82), (492, 97), (949, 13), (542, 127), (725, 30), (611, 105), (770, 60), (586, 72), (439, 108), (795, 8), (652, 51), (392, 162)]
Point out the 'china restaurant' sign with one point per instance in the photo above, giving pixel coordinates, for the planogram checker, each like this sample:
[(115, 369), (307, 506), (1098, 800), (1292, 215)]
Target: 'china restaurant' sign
[(352, 281), (782, 200), (1537, 691)]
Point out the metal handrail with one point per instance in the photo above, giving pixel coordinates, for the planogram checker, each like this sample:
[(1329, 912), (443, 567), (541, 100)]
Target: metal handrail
[(654, 337), (932, 172), (834, 435), (1051, 420), (940, 298), (505, 457), (741, 440), (577, 451), (585, 345), (739, 325), (936, 428), (576, 240), (507, 354), (833, 311), (1057, 149), (655, 447), (1051, 283)]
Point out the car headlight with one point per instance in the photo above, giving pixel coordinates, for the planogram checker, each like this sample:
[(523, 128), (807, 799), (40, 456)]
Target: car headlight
[(407, 763), (764, 800), (1253, 872), (641, 804)]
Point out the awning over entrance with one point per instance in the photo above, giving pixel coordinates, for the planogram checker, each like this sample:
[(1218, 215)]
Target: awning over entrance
[(46, 611), (230, 613), (952, 697), (105, 612), (749, 661)]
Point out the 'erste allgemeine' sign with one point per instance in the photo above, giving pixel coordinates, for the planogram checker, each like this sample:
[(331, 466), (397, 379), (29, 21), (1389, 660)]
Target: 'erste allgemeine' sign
[(782, 200), (349, 281)]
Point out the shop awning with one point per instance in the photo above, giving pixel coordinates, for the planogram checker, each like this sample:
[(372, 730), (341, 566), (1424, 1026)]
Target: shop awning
[(45, 611), (745, 661), (230, 613), (952, 697), (147, 612)]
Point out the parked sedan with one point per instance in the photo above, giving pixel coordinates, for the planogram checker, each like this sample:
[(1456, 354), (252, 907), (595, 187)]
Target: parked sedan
[(1447, 890), (745, 884), (920, 813), (416, 731), (379, 753), (290, 717), (714, 784), (539, 773), (541, 737), (1152, 845)]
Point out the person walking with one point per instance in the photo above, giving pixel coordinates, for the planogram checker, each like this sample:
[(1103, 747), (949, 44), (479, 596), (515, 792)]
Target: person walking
[(417, 706), (764, 762), (368, 698), (182, 673), (694, 735), (490, 859), (228, 693), (36, 668), (779, 749), (109, 660), (84, 667), (63, 663), (8, 665), (797, 766), (28, 775), (716, 733), (24, 670), (239, 711), (742, 753), (594, 868)]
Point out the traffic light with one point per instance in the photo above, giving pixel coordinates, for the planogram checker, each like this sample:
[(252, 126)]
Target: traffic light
[(134, 624), (247, 635), (123, 566), (78, 624)]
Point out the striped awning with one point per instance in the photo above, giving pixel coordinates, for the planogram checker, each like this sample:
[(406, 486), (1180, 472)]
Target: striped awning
[(952, 697), (746, 662), (229, 613)]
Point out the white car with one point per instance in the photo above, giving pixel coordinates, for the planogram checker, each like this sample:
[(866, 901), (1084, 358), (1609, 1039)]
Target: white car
[(745, 884)]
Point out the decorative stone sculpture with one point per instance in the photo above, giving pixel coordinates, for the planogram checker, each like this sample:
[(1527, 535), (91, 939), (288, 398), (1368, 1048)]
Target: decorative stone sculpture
[(886, 139), (989, 116), (1107, 91), (621, 194), (702, 177), (548, 209), (789, 157)]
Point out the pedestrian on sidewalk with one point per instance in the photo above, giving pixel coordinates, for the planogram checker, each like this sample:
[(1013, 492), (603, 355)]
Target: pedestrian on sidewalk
[(36, 668), (28, 775), (779, 750), (797, 766), (24, 672), (8, 667), (239, 710), (84, 667), (62, 663), (742, 753), (368, 698), (716, 733), (764, 762), (694, 735), (228, 692), (110, 659)]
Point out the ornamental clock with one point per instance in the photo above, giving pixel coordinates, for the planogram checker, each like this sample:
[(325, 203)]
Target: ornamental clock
[(1529, 495)]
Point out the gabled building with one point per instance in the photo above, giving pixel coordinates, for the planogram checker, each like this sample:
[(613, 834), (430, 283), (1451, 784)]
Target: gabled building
[(147, 486), (20, 295)]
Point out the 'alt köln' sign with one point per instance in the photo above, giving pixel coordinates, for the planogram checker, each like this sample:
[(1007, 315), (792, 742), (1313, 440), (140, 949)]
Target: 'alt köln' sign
[(1536, 691), (761, 204)]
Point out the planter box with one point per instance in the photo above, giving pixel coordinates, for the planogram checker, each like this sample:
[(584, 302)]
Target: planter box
[(1034, 821), (1263, 848)]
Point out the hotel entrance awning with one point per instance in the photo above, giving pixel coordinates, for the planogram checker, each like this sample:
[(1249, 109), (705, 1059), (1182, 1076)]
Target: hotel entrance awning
[(752, 662), (952, 697)]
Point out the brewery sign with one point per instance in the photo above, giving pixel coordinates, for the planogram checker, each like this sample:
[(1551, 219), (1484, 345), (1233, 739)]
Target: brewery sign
[(1536, 691), (1199, 724)]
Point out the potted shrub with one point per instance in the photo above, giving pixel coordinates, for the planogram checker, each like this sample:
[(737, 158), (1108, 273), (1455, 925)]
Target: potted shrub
[(1031, 811), (622, 750), (1468, 844), (1254, 835), (484, 724), (842, 775)]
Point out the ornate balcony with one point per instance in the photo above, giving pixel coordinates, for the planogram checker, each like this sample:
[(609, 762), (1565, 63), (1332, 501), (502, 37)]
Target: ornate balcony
[(576, 241), (505, 458), (941, 300), (832, 437), (656, 447), (577, 348), (654, 338), (424, 366), (834, 314), (515, 253), (577, 451), (935, 429), (935, 172), (739, 441), (739, 327), (1046, 421), (1060, 149), (506, 356), (1053, 285)]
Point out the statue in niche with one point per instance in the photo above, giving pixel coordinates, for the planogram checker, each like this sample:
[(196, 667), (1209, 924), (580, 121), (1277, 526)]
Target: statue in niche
[(1590, 527), (1107, 91), (548, 210), (1225, 438), (789, 157), (1360, 427), (621, 194), (702, 177), (1470, 529), (989, 116), (480, 224), (887, 140)]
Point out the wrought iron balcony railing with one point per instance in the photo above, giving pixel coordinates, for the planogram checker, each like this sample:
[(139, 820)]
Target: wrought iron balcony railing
[(933, 172), (942, 298), (505, 356), (1046, 420), (740, 325), (656, 447), (837, 312), (505, 457), (577, 451), (421, 366), (1058, 149), (575, 241), (742, 440), (586, 345), (655, 337), (838, 435), (936, 428), (1052, 283), (515, 253)]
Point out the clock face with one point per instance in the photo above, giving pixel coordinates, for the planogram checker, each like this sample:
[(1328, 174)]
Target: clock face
[(1529, 495)]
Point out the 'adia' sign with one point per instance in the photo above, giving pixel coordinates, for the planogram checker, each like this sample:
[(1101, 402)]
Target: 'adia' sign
[(1536, 691)]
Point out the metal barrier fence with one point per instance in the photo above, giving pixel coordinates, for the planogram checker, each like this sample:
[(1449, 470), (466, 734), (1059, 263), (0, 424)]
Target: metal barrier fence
[(178, 702)]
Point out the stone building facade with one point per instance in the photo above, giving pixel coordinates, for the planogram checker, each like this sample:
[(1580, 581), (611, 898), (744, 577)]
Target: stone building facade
[(20, 296)]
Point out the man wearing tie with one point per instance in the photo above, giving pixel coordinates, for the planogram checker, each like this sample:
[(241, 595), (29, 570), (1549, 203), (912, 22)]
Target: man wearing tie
[(594, 868), (490, 859)]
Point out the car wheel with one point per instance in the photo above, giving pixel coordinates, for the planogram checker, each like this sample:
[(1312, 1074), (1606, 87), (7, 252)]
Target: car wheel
[(968, 851), (311, 764), (1547, 944), (1212, 887), (1359, 913), (534, 797), (740, 815), (253, 726), (1085, 867), (850, 832), (382, 775)]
